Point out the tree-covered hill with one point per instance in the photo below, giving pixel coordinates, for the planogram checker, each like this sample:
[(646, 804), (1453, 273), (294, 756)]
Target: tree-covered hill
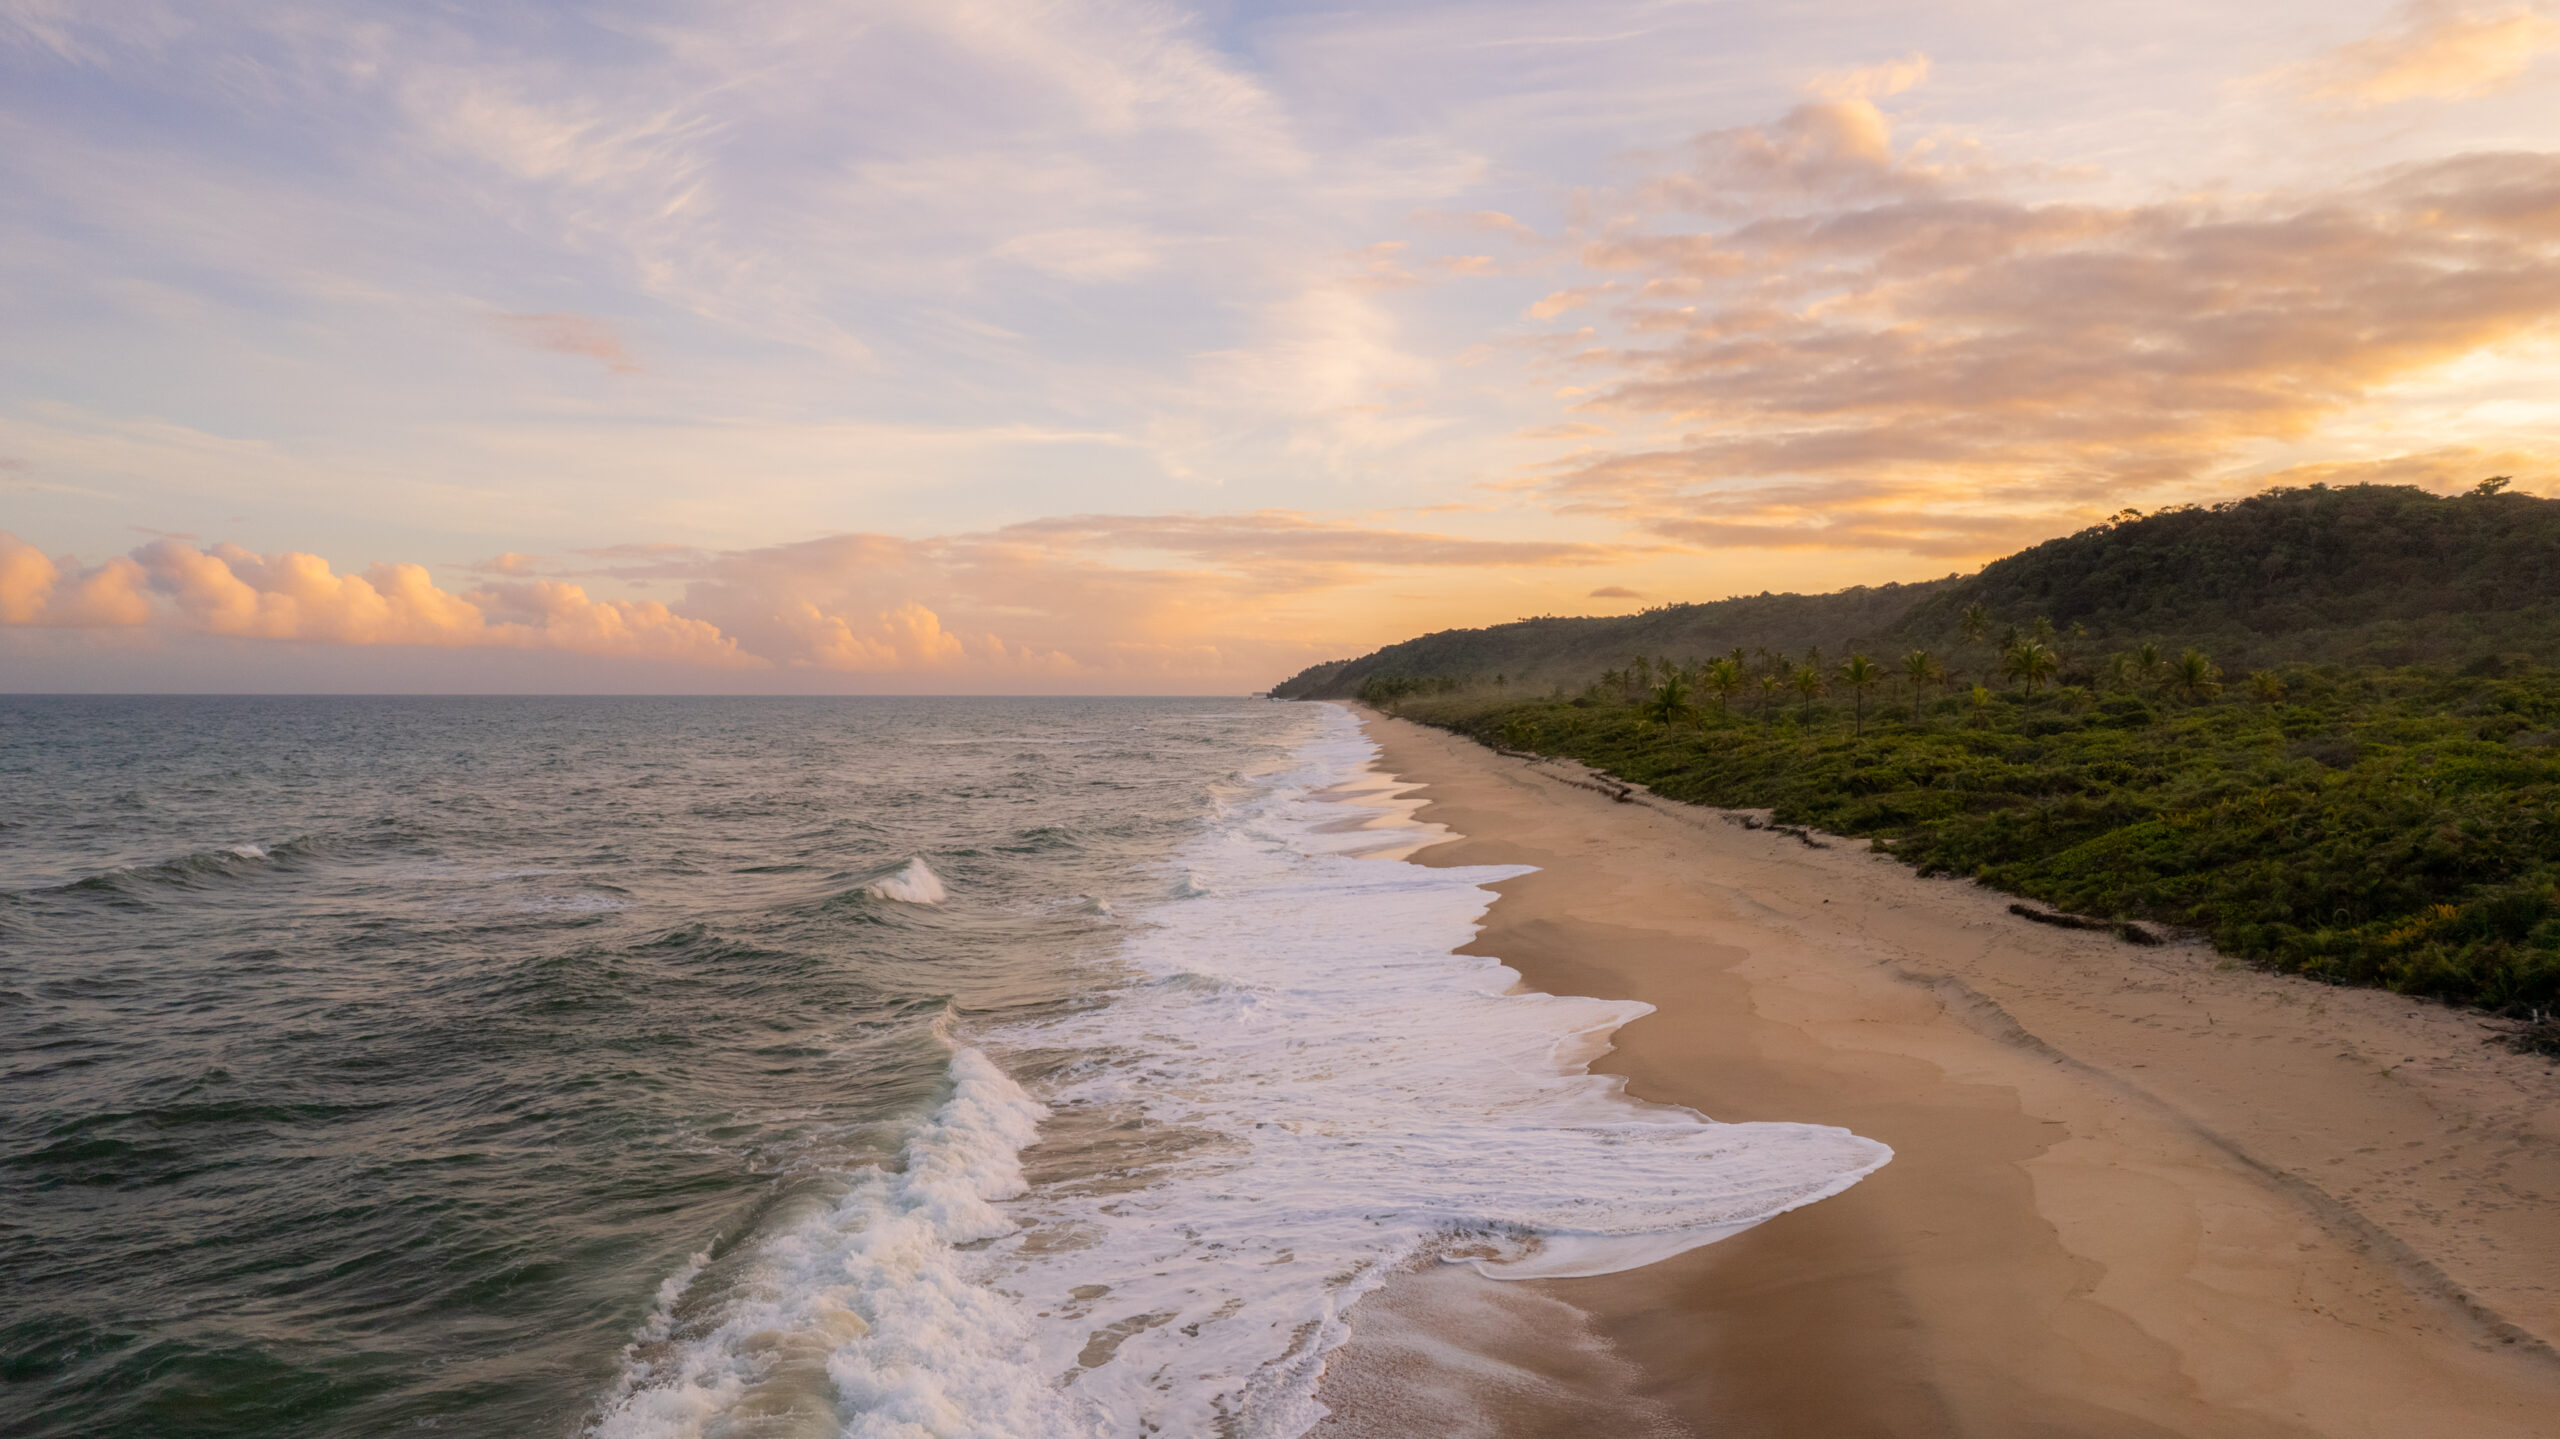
[(1555, 650), (2357, 574), (2366, 574)]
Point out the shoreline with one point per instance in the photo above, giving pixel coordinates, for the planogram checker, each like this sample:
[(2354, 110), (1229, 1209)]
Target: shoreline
[(2136, 1191)]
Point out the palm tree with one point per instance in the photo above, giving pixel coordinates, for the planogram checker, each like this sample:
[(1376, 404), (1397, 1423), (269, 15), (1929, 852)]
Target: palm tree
[(2266, 687), (1923, 671), (1981, 697), (1976, 620), (1640, 675), (1770, 684), (2149, 661), (2196, 677), (2042, 665), (1860, 672), (1670, 698), (1724, 676), (2032, 663), (1808, 683)]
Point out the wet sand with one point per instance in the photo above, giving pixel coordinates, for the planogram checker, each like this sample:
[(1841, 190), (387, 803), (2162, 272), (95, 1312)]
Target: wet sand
[(2136, 1191)]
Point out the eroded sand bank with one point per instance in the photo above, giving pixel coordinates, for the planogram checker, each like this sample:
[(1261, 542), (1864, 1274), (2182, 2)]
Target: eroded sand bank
[(2135, 1192)]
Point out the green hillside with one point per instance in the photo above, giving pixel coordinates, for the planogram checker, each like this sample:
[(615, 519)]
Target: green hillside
[(1542, 653), (2363, 574)]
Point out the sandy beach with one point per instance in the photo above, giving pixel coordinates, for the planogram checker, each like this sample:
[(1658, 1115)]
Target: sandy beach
[(2136, 1191)]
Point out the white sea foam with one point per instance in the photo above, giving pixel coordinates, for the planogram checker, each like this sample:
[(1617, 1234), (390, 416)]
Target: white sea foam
[(911, 883), (1333, 1093), (1296, 1088), (245, 851), (863, 1317)]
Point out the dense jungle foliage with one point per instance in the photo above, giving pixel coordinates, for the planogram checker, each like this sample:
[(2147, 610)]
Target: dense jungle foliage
[(2366, 825)]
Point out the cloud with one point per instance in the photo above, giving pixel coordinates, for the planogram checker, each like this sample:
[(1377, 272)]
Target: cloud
[(555, 615), (37, 590), (2432, 50), (1615, 592), (564, 334), (1085, 255), (1874, 82), (231, 591), (2449, 467), (1871, 345), (1092, 601), (1251, 541), (1075, 595)]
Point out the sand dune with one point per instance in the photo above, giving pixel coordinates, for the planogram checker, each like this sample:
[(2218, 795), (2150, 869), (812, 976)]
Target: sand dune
[(2136, 1191)]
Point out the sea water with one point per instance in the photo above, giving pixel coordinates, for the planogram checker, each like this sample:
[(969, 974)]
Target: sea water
[(768, 1067)]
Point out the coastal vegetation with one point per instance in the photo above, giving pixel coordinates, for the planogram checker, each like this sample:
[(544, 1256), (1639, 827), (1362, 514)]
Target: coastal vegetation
[(2374, 823), (2365, 825)]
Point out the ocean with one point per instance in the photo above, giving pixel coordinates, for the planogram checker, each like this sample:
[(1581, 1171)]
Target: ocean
[(758, 1067)]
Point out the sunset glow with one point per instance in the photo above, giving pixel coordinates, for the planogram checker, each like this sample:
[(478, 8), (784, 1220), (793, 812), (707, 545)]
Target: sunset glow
[(1123, 348)]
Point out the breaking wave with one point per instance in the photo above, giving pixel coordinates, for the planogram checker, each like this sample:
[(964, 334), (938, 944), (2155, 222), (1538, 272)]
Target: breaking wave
[(911, 883)]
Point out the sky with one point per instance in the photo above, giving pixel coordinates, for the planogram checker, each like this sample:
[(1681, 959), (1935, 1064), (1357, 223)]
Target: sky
[(982, 346)]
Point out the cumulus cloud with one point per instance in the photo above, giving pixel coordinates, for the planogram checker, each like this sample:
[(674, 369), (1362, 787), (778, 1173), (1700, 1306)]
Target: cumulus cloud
[(2433, 50), (231, 591), (1088, 595), (1874, 344), (38, 590), (1081, 599)]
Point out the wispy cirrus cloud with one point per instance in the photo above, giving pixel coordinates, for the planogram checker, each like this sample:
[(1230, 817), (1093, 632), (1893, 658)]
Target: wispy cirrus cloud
[(2431, 50), (565, 334)]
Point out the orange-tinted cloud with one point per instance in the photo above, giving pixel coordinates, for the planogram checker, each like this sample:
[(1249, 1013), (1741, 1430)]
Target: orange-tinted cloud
[(1091, 595), (36, 590), (1865, 346), (565, 334), (2450, 467), (1278, 536), (1085, 599), (2433, 49), (228, 590)]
